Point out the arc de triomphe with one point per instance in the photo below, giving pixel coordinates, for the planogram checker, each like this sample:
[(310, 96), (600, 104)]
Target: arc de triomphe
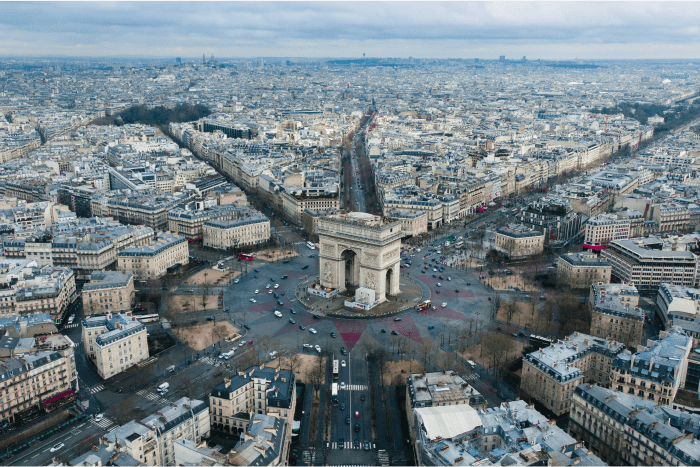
[(359, 249)]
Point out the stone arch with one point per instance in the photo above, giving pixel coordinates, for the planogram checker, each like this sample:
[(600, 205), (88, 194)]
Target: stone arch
[(350, 269), (387, 282)]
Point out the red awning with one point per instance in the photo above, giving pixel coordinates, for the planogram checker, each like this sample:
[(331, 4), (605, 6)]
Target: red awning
[(594, 247), (57, 397)]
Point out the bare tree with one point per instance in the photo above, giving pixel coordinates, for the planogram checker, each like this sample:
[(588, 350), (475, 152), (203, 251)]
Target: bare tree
[(317, 376), (510, 308), (496, 303), (219, 333), (205, 292), (265, 343), (497, 347)]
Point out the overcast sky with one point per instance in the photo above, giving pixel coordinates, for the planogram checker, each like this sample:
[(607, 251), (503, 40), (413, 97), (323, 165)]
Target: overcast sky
[(557, 30)]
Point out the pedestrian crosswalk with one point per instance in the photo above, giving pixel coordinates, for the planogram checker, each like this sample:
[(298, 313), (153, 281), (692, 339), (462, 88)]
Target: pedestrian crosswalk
[(348, 445), (355, 387), (308, 456), (151, 396), (105, 423), (70, 326), (97, 389), (211, 361), (470, 377)]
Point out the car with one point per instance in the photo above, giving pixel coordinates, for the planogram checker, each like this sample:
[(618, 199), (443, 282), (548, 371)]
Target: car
[(332, 334), (423, 271), (362, 397), (282, 293), (99, 417), (256, 270), (394, 333), (241, 344), (285, 276), (434, 276), (291, 320), (316, 317), (209, 318), (267, 286), (514, 334), (521, 334), (398, 318), (277, 286), (489, 298), (365, 445), (441, 278), (342, 385), (217, 353), (426, 267), (439, 284), (449, 278), (269, 291), (341, 442), (434, 270), (444, 304), (343, 350), (280, 302), (442, 270), (285, 261), (306, 266), (256, 276), (302, 327), (437, 290), (383, 330), (59, 446), (308, 346), (357, 414), (318, 348), (357, 427), (275, 295), (292, 311), (469, 283), (431, 327), (356, 444), (312, 331), (236, 281), (342, 363), (347, 420), (247, 326), (250, 342), (252, 300)]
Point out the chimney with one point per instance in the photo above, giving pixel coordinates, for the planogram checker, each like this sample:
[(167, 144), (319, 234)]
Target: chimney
[(128, 313), (109, 315), (241, 373), (227, 382)]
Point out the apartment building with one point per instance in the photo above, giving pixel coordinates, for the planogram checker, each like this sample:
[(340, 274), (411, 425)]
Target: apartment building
[(257, 390), (616, 314), (114, 342), (152, 261), (627, 430), (149, 208), (671, 217), (413, 223), (441, 389), (249, 230), (294, 204), (36, 380), (517, 241), (656, 371), (649, 262), (551, 374), (152, 440), (554, 217), (679, 306), (581, 269), (98, 250), (265, 442), (604, 228), (28, 289), (110, 291), (513, 433)]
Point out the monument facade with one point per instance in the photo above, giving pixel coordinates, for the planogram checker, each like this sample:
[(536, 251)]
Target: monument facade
[(359, 250)]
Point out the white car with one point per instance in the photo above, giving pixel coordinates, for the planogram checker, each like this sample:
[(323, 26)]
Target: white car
[(99, 417), (253, 300), (236, 281), (57, 447), (439, 284), (256, 291), (342, 363), (444, 304), (434, 270), (313, 331), (269, 291), (241, 344), (342, 385), (267, 286), (277, 285), (308, 346), (449, 278), (318, 348)]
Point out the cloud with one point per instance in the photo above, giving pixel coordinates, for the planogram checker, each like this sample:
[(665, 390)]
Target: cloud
[(321, 29)]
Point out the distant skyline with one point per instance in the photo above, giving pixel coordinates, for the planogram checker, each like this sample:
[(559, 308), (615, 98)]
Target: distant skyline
[(538, 30)]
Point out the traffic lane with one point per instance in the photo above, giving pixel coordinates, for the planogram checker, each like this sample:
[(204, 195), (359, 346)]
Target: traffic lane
[(42, 454)]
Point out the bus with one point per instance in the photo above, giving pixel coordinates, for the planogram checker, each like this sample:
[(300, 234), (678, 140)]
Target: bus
[(459, 244), (425, 305), (539, 341), (147, 318), (334, 393), (245, 256), (311, 246), (335, 369)]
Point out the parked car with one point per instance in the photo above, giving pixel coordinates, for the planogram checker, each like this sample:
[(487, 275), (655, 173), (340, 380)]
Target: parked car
[(342, 406), (342, 363)]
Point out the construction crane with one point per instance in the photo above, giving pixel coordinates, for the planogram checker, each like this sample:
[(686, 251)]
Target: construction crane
[(606, 123)]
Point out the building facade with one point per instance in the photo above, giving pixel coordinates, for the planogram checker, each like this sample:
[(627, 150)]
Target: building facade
[(110, 291), (152, 261)]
